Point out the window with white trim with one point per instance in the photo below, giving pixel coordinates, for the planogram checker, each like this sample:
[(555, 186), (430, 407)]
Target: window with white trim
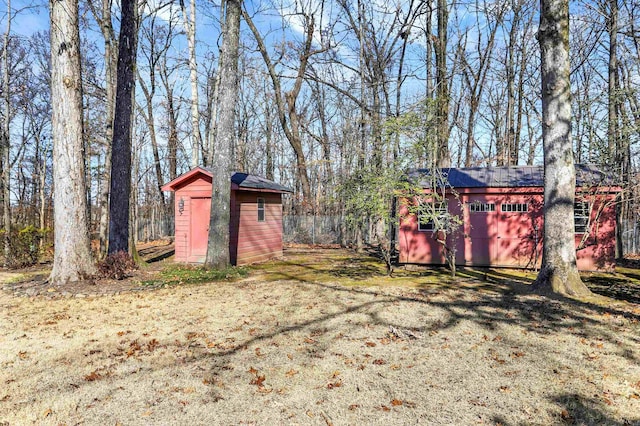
[(580, 217), (428, 214), (260, 209), (515, 207), (478, 207)]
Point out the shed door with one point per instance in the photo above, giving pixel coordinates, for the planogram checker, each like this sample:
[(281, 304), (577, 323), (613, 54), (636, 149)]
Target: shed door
[(200, 217), (482, 237)]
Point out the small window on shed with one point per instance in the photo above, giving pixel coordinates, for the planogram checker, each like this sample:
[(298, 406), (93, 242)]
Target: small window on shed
[(580, 217), (428, 215), (260, 209), (515, 207), (477, 207)]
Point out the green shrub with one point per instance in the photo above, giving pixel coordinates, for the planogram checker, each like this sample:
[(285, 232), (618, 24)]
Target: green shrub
[(24, 245)]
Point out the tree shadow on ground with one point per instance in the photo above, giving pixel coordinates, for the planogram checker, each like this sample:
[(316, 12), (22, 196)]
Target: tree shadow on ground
[(492, 301), (579, 410), (622, 286)]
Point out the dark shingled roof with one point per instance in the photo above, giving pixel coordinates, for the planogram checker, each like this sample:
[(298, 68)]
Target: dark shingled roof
[(245, 180), (508, 176)]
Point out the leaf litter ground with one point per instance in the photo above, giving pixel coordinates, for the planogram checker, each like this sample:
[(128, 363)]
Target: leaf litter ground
[(322, 337)]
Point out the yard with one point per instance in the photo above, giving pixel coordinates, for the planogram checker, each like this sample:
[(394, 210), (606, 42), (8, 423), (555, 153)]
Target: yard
[(324, 338)]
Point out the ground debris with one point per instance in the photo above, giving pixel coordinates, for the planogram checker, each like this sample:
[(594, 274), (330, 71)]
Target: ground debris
[(404, 334)]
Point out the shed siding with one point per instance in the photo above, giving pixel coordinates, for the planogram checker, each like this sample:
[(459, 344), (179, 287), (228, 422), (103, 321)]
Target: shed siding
[(250, 240), (254, 240), (510, 239)]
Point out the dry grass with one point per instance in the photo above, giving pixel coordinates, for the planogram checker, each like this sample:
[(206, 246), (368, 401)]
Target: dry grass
[(321, 338)]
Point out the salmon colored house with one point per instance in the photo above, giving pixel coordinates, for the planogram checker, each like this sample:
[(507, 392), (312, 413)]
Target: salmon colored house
[(255, 229), (501, 214)]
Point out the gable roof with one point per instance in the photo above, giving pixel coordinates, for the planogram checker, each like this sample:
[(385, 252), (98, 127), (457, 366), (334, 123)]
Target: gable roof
[(506, 177), (241, 180)]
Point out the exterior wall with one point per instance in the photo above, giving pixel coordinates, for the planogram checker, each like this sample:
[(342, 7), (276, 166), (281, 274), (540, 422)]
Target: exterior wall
[(510, 239), (253, 240), (196, 196), (249, 240)]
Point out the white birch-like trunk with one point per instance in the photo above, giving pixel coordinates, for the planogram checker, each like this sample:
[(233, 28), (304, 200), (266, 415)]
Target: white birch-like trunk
[(559, 272), (72, 257), (190, 29)]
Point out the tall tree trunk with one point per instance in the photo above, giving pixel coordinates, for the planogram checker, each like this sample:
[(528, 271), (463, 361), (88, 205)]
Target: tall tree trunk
[(72, 257), (121, 147), (103, 18), (5, 145), (612, 131), (559, 273), (218, 246), (190, 28), (442, 88)]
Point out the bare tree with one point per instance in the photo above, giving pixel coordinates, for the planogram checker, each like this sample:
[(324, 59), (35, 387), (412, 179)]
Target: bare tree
[(121, 147), (72, 259), (559, 272), (190, 28), (218, 246)]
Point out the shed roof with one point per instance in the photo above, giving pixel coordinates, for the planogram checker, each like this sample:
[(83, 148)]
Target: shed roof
[(507, 176), (242, 180)]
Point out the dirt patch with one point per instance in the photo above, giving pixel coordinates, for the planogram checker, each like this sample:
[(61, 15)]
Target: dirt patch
[(316, 351)]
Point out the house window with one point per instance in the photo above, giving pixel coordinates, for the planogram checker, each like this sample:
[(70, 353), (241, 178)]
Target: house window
[(477, 207), (428, 213), (260, 209), (581, 217), (515, 207)]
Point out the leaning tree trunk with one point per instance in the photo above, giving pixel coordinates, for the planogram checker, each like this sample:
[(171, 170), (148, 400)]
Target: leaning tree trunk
[(121, 147), (218, 246), (559, 272), (72, 257)]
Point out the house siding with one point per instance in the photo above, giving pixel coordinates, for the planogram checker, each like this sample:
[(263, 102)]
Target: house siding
[(508, 239)]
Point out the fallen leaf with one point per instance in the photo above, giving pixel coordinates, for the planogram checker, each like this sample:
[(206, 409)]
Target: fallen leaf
[(396, 402), (566, 416), (370, 344), (252, 370), (291, 373), (353, 407), (258, 380), (335, 384), (517, 354), (379, 362), (93, 376)]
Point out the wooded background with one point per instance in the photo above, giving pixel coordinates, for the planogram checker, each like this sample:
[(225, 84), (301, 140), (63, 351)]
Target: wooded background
[(329, 91)]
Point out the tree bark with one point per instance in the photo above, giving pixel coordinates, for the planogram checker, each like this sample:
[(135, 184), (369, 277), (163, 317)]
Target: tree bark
[(218, 246), (72, 258), (559, 272), (5, 144), (121, 147), (442, 88), (190, 28)]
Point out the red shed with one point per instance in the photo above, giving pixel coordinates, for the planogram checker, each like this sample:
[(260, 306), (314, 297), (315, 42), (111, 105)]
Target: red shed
[(501, 210), (255, 229)]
